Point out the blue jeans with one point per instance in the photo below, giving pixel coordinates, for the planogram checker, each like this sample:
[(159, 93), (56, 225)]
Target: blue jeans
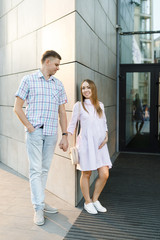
[(40, 149)]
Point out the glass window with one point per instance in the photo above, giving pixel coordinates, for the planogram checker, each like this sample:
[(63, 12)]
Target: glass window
[(137, 48), (145, 6), (145, 26), (146, 49)]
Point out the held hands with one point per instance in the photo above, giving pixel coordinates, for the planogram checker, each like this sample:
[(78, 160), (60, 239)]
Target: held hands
[(64, 143), (70, 140), (104, 141)]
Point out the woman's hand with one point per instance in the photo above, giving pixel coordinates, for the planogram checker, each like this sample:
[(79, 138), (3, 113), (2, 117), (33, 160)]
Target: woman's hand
[(104, 141), (70, 141)]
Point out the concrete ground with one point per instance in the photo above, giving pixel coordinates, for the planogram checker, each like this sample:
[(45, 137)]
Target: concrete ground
[(16, 222)]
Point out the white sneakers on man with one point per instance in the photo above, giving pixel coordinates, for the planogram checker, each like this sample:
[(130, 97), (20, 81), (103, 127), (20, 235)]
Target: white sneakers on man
[(39, 217), (39, 214), (90, 208), (99, 207), (50, 209)]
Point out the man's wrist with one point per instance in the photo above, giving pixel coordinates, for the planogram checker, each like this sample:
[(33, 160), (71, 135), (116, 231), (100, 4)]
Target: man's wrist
[(65, 134)]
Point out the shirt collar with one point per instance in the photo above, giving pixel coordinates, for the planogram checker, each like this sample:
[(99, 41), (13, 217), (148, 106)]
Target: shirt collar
[(40, 75)]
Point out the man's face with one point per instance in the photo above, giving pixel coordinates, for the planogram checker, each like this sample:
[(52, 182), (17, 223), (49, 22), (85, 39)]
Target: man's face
[(52, 65)]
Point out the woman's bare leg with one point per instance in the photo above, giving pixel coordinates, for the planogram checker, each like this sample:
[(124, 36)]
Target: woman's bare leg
[(103, 173), (84, 184)]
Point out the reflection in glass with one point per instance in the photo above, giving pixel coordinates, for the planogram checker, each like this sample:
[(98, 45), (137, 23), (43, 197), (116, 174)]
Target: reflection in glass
[(145, 26), (139, 47), (137, 109), (145, 50), (138, 113), (157, 50), (145, 7), (159, 112)]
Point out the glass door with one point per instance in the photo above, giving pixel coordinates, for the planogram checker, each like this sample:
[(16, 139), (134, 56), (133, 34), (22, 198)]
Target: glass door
[(137, 132), (158, 106), (139, 126)]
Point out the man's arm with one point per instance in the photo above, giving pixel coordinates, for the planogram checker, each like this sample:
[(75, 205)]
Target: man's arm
[(21, 115), (63, 123)]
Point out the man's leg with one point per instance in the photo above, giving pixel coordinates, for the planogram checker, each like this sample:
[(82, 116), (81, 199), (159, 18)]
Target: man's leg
[(34, 148), (48, 151), (47, 156)]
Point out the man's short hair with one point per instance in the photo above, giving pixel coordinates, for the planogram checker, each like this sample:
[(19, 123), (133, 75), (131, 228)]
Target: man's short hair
[(50, 53)]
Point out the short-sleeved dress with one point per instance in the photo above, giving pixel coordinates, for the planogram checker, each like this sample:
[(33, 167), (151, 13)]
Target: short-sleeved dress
[(92, 133)]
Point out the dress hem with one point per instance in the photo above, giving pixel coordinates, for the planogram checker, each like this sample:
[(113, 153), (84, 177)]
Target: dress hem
[(106, 165)]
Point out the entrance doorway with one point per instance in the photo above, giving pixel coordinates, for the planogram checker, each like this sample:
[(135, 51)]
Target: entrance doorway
[(139, 128)]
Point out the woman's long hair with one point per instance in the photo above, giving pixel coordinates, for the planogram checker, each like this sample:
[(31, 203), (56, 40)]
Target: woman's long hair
[(94, 97)]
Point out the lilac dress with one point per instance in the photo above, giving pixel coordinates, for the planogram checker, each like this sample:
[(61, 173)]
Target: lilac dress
[(92, 134)]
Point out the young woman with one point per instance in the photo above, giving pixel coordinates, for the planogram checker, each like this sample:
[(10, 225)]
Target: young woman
[(91, 143)]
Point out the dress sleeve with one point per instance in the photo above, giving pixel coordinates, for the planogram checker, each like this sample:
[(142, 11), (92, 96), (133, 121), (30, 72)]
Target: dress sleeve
[(104, 116), (74, 118)]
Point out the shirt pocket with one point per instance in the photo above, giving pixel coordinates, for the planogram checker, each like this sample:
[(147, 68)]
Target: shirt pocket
[(55, 96)]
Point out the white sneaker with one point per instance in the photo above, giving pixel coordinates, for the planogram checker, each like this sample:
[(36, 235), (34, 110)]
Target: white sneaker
[(50, 209), (39, 217), (99, 207), (90, 208)]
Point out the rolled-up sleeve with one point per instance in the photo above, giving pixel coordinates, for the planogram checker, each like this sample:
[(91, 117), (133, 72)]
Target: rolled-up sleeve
[(104, 117), (74, 118), (23, 89), (62, 96)]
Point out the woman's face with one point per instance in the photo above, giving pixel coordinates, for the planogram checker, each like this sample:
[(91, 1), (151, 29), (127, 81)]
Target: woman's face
[(86, 90)]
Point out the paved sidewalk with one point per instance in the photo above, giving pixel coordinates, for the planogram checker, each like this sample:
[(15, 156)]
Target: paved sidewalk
[(16, 211)]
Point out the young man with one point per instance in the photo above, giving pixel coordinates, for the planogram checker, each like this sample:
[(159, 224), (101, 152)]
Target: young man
[(45, 99)]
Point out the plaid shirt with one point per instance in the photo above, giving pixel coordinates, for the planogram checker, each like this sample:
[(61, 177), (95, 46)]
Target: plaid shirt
[(43, 99)]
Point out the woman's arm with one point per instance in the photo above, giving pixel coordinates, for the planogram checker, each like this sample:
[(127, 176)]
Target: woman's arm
[(106, 127), (73, 123), (104, 117), (104, 141), (74, 118)]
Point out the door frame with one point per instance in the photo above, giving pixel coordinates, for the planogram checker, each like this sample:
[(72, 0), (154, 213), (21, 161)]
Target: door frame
[(154, 70)]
